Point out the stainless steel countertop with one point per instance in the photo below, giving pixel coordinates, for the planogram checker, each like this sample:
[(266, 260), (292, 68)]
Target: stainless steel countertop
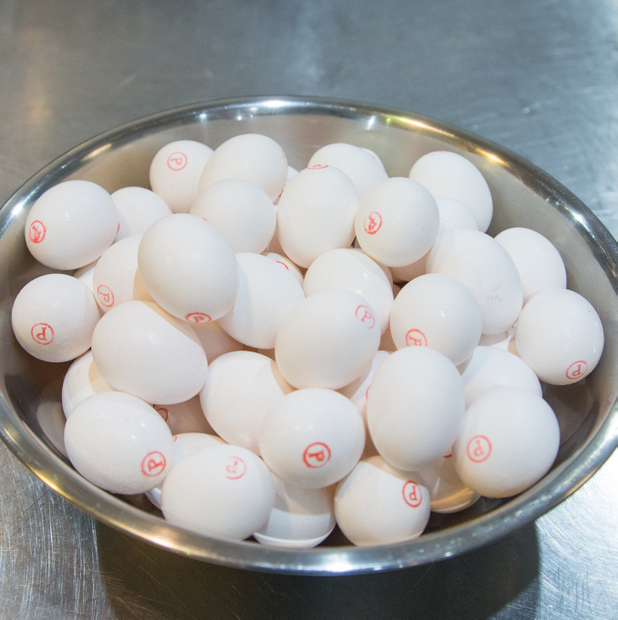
[(539, 77)]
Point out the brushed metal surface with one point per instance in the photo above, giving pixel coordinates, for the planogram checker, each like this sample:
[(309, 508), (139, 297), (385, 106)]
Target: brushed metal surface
[(537, 77)]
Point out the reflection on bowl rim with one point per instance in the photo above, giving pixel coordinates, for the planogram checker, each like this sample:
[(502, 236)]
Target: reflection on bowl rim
[(555, 487)]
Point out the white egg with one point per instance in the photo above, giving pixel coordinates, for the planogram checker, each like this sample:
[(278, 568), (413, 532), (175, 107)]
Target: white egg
[(221, 491), (440, 312), (508, 440), (116, 278), (86, 274), (252, 157), (188, 268), (54, 316), (378, 505), (485, 267), (327, 340), (266, 295), (287, 264), (300, 519), (560, 335), (414, 407), (490, 368), (138, 208), (411, 271), (447, 492), (397, 222), (316, 214), (241, 388), (312, 438), (175, 172), (71, 225), (538, 262), (143, 350), (215, 340), (364, 169), (448, 174), (82, 379), (241, 210), (119, 443), (185, 417), (352, 270), (454, 214)]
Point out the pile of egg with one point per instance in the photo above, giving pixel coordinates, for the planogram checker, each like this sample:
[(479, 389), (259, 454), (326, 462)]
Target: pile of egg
[(250, 309)]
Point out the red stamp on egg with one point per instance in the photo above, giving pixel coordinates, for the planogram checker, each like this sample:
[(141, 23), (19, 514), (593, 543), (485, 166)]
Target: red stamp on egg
[(412, 494), (177, 161), (105, 296), (576, 370), (479, 448), (198, 317), (365, 316), (153, 464), (37, 231), (42, 333), (372, 223), (416, 338), (163, 412), (235, 469), (317, 167), (316, 455)]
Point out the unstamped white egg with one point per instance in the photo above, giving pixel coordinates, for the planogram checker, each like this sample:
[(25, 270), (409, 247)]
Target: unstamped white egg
[(138, 208)]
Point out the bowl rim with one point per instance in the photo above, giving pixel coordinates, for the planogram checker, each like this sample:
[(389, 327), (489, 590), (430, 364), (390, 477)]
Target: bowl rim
[(514, 514)]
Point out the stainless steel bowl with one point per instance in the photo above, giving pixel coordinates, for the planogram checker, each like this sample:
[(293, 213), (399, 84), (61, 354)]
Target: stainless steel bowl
[(31, 419)]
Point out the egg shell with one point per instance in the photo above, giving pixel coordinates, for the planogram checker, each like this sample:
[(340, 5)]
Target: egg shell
[(451, 175), (490, 368), (175, 172), (223, 491), (86, 275), (485, 267), (54, 317), (508, 441), (119, 443), (414, 407), (364, 169), (252, 157), (538, 262), (447, 492), (143, 350), (312, 438), (265, 296), (288, 265), (440, 312), (215, 340), (188, 267), (241, 210), (81, 380), (71, 225), (185, 417), (352, 270), (560, 335), (116, 278), (300, 519), (316, 214), (455, 214), (327, 340), (397, 222), (241, 388), (378, 505), (138, 208), (411, 271)]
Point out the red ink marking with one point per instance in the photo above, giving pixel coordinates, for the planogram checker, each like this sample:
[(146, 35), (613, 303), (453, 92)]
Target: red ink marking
[(412, 494), (105, 296), (163, 412), (479, 448), (282, 263), (316, 455), (236, 468), (42, 333), (37, 231), (285, 158), (175, 437), (177, 161), (373, 223), (118, 228), (449, 455), (318, 167), (576, 370), (153, 464), (416, 338), (365, 316), (367, 391), (198, 317)]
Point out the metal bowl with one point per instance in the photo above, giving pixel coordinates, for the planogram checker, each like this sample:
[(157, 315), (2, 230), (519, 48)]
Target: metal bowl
[(31, 419)]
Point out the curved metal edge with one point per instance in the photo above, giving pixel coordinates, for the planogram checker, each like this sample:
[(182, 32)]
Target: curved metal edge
[(321, 561)]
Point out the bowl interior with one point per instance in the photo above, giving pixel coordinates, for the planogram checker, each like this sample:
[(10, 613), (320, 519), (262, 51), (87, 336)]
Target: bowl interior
[(31, 418)]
